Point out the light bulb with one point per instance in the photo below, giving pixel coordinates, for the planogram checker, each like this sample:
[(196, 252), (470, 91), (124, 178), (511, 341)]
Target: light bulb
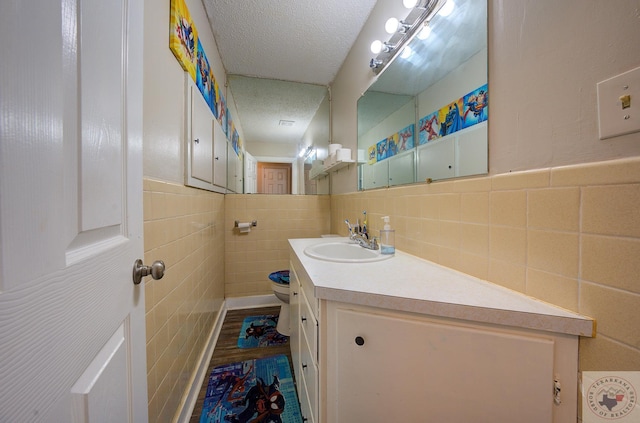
[(424, 33), (447, 8), (376, 47), (391, 26), (406, 52), (409, 4)]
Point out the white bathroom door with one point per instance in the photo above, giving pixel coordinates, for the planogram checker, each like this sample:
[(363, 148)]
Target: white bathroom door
[(72, 328)]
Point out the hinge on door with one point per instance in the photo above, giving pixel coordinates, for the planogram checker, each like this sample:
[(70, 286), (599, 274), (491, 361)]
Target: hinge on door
[(556, 390)]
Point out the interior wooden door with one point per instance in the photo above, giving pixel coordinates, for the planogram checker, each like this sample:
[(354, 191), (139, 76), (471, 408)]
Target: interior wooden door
[(72, 327), (274, 178)]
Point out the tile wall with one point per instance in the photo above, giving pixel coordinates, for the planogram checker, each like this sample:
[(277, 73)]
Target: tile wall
[(184, 227), (250, 257), (569, 236)]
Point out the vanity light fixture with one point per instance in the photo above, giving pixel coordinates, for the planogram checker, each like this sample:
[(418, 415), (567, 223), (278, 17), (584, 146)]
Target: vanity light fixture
[(406, 52), (394, 25), (374, 63), (418, 4), (424, 32), (447, 8), (378, 46), (305, 152), (403, 31)]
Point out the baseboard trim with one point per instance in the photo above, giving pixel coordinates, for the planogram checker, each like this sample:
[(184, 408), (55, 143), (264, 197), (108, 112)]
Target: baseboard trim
[(236, 303), (232, 303), (191, 397)]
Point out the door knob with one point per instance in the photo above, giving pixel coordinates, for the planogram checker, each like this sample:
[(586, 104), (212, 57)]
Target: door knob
[(156, 270)]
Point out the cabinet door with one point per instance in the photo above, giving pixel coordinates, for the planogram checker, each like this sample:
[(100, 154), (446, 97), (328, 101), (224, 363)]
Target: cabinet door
[(219, 156), (376, 175), (201, 138), (294, 318), (422, 370), (436, 160), (402, 169), (381, 174), (231, 168), (471, 151)]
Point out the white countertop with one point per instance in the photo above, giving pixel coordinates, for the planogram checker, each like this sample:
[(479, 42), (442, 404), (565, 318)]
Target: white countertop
[(408, 283)]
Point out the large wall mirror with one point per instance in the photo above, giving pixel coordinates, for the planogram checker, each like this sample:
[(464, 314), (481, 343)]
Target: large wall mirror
[(279, 120), (425, 116)]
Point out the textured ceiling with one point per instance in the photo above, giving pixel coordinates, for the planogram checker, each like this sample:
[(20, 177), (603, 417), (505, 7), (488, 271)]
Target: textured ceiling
[(290, 40), (263, 103), (280, 42)]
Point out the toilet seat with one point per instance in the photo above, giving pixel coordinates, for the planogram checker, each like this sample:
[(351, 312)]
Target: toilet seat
[(280, 277)]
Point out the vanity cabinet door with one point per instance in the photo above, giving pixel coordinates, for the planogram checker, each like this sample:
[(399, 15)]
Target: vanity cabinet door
[(309, 381), (397, 367), (294, 319), (304, 343)]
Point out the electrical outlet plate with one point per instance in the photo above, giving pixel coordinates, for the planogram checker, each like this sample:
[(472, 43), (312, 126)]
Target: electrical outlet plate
[(615, 116)]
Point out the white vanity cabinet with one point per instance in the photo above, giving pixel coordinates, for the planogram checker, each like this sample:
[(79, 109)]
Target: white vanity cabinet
[(410, 341), (304, 344)]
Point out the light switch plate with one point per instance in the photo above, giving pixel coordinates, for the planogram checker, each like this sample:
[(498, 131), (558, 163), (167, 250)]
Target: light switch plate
[(614, 118)]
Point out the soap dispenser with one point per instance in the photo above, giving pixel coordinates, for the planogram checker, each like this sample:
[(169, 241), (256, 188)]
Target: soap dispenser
[(387, 238)]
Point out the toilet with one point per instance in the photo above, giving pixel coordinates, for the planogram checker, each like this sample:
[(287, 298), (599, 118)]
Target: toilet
[(280, 286)]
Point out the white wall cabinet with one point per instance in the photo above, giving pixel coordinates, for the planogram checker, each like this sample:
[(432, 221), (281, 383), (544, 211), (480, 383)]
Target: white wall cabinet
[(219, 156), (402, 169), (436, 160), (201, 140), (376, 175), (471, 151), (206, 144), (462, 153)]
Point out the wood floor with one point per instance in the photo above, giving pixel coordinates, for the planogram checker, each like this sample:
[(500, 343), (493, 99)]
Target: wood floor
[(227, 351)]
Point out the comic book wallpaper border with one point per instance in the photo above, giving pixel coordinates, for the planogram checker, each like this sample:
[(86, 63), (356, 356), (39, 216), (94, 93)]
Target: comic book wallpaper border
[(464, 112), (185, 45)]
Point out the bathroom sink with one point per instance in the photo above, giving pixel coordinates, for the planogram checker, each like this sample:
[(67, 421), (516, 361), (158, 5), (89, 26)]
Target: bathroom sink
[(343, 252)]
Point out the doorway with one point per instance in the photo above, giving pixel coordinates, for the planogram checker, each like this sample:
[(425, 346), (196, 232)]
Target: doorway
[(274, 178)]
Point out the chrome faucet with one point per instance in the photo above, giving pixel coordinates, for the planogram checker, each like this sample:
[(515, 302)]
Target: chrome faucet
[(361, 237)]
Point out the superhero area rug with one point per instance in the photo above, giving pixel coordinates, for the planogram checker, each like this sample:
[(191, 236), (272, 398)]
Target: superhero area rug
[(260, 391), (260, 331)]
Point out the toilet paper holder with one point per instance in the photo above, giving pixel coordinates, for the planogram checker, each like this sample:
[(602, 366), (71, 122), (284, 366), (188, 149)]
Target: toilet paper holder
[(237, 223)]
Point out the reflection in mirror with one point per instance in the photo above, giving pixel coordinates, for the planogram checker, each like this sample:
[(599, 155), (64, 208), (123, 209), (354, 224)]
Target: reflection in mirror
[(425, 117), (278, 120)]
